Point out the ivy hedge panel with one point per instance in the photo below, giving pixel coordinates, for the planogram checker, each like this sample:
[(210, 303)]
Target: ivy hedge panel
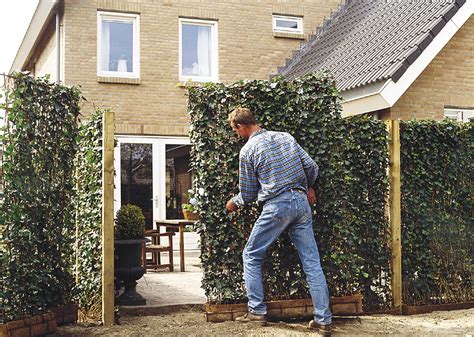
[(349, 217), (88, 205), (39, 142), (437, 171)]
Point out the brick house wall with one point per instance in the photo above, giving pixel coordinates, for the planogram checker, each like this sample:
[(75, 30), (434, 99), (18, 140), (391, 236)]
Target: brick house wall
[(447, 81), (247, 48)]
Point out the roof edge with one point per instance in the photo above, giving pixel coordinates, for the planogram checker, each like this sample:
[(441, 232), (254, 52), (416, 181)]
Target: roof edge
[(35, 30), (394, 90), (360, 101), (364, 99), (368, 103)]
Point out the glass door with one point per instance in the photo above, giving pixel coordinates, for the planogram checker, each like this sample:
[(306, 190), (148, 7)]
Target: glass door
[(154, 174), (178, 179), (134, 177)]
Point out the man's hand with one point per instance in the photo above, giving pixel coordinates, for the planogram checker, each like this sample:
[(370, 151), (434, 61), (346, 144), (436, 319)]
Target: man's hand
[(231, 206), (311, 196)]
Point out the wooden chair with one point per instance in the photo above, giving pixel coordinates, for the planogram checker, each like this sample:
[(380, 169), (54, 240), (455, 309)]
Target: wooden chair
[(156, 248)]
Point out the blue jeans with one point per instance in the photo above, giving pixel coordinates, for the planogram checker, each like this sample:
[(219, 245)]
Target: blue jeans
[(288, 210)]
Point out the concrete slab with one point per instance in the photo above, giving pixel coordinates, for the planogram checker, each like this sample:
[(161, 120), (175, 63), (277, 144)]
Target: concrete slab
[(166, 289)]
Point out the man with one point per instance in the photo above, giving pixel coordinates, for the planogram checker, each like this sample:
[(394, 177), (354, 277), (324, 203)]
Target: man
[(277, 172)]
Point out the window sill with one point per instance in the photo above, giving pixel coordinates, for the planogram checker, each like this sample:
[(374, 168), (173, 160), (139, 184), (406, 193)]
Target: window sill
[(190, 83), (289, 35), (118, 80)]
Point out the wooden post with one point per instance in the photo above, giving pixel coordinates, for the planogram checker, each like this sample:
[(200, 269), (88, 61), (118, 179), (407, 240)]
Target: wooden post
[(181, 247), (108, 218), (395, 211), (77, 232)]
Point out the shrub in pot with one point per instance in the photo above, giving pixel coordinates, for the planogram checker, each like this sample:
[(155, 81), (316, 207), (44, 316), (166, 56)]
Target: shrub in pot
[(129, 239)]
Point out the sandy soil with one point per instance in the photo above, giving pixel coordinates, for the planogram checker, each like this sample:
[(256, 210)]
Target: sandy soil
[(186, 323)]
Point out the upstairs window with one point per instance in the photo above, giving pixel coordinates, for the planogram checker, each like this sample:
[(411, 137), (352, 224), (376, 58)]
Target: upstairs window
[(459, 114), (118, 44), (287, 24), (197, 50)]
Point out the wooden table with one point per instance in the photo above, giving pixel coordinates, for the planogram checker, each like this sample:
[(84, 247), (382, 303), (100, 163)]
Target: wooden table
[(180, 224)]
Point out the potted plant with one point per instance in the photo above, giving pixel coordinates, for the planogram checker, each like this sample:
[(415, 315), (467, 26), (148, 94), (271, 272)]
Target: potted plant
[(189, 209), (129, 240)]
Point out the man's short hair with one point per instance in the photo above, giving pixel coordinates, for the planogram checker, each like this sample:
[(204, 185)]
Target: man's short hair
[(242, 116)]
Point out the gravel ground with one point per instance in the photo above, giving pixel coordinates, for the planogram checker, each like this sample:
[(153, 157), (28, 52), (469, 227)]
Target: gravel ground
[(193, 323)]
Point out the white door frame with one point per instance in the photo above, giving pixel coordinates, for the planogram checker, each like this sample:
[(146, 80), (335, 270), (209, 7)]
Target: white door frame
[(158, 168)]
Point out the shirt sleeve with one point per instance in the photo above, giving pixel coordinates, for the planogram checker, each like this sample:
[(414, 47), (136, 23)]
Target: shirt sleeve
[(248, 183), (311, 169)]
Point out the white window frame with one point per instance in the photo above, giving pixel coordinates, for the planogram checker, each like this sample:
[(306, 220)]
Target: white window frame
[(459, 114), (297, 19), (158, 168), (214, 52), (121, 17)]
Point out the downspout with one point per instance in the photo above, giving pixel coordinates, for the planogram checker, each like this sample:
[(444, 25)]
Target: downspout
[(58, 45)]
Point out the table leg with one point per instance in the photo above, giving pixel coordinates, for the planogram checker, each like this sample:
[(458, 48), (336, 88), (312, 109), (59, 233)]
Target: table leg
[(181, 247)]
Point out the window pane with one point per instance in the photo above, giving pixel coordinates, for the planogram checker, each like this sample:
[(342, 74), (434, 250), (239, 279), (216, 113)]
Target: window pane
[(287, 24), (196, 50), (117, 46), (136, 178), (178, 179)]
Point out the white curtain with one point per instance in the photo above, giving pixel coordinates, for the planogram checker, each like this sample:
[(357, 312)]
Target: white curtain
[(204, 51), (105, 46)]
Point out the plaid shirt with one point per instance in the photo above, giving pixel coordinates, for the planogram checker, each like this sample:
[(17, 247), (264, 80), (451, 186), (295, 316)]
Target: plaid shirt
[(272, 163)]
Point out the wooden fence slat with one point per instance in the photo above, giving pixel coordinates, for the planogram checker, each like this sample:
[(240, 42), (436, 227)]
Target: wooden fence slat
[(108, 219)]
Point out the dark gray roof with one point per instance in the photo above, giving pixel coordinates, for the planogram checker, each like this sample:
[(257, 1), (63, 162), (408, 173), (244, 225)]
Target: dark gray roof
[(366, 41)]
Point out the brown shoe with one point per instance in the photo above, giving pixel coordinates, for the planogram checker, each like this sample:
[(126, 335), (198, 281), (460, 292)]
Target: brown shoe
[(324, 330), (249, 317)]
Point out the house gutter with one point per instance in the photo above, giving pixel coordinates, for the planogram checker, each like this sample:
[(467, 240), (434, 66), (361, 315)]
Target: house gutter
[(58, 43)]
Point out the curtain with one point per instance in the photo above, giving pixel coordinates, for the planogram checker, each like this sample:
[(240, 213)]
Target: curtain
[(204, 51), (105, 46)]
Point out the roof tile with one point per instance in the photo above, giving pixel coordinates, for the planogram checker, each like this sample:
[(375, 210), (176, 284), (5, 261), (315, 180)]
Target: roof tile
[(365, 41)]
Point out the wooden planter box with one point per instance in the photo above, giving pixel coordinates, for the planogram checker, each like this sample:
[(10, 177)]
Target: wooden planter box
[(65, 314), (38, 325), (424, 309), (346, 305)]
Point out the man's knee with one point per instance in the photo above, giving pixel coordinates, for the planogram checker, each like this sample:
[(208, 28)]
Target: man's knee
[(251, 257)]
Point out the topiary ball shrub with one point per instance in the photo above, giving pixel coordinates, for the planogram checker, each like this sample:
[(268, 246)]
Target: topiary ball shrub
[(129, 223)]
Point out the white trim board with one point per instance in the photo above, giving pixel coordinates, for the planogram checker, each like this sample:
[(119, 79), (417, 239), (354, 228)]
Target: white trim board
[(387, 93), (38, 24)]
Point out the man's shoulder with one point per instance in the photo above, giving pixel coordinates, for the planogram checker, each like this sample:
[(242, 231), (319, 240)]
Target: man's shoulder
[(247, 148), (252, 144), (281, 135)]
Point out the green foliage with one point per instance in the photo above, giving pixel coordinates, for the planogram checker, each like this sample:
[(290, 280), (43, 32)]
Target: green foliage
[(437, 166), (88, 163), (129, 223), (349, 221), (36, 211)]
